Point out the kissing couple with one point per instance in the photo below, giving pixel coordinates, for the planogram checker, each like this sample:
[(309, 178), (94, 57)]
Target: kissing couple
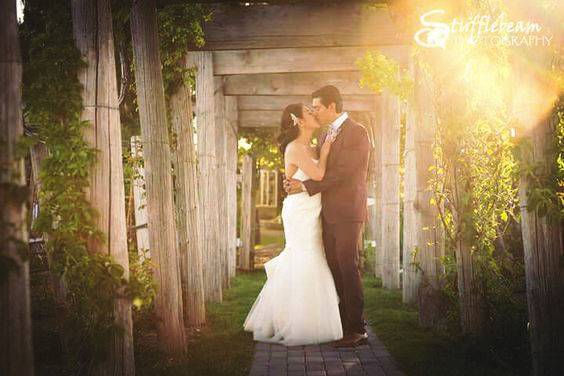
[(313, 292)]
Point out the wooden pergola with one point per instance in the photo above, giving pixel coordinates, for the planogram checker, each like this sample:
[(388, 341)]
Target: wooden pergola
[(259, 58)]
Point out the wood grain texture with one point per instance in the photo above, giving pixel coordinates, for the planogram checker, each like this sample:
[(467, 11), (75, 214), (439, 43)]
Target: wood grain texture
[(390, 134), (16, 353), (261, 119), (231, 114), (293, 83), (278, 103), (221, 137), (248, 212), (287, 60), (187, 208), (376, 187), (411, 277), (93, 35), (299, 25), (427, 233), (158, 178), (207, 163)]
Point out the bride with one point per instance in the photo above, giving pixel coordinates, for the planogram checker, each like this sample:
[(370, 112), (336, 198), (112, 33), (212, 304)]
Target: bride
[(298, 304)]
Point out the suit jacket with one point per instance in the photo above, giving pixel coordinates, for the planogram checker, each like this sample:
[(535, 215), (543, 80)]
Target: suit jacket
[(344, 187)]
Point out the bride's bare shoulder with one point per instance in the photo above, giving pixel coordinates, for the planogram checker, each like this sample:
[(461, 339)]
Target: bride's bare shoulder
[(294, 149)]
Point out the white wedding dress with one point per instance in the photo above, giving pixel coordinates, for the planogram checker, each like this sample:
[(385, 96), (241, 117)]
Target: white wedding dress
[(298, 304)]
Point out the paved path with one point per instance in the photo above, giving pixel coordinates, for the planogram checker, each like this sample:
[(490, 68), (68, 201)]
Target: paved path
[(324, 360)]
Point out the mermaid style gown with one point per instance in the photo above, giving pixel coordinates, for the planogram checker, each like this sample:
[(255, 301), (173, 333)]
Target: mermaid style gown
[(298, 304)]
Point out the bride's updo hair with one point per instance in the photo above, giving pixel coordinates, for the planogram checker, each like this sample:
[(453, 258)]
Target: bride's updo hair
[(288, 131)]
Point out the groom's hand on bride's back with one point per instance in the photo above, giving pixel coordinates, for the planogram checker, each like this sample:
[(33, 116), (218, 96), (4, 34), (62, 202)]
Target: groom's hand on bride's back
[(292, 186)]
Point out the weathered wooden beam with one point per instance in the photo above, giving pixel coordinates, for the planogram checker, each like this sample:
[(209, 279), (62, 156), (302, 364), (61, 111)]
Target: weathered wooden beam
[(231, 166), (422, 235), (390, 138), (220, 136), (284, 60), (293, 83), (248, 212), (261, 119), (298, 25), (207, 161), (543, 247), (158, 178), (16, 349), (375, 188), (411, 274), (278, 103), (187, 207)]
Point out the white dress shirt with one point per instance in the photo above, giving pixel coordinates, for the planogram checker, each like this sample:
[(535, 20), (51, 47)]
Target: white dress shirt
[(336, 124)]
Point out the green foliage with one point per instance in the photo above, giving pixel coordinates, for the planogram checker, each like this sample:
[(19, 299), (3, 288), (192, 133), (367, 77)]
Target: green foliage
[(380, 72), (52, 96), (474, 180), (545, 195), (261, 144), (424, 351), (180, 25)]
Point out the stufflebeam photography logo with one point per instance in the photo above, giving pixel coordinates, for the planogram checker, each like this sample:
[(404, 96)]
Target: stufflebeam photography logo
[(479, 30)]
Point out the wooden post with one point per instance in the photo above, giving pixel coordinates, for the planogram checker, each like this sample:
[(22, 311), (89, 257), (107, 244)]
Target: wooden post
[(544, 272), (376, 188), (411, 275), (542, 235), (207, 162), (221, 138), (93, 35), (422, 231), (187, 208), (231, 113), (16, 352), (430, 233), (390, 134), (158, 179), (140, 202), (248, 213)]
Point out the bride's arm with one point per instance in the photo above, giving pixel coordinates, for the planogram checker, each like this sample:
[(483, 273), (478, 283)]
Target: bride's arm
[(299, 156)]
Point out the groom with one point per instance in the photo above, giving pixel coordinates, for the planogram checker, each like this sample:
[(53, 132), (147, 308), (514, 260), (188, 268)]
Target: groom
[(343, 207)]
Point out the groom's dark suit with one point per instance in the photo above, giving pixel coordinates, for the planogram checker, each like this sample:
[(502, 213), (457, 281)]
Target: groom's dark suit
[(344, 194)]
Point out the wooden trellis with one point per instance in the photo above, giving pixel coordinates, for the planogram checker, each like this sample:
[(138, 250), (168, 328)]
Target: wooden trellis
[(265, 57), (259, 58), (268, 188)]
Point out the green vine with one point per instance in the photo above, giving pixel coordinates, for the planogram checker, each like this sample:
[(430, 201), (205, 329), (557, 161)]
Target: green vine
[(180, 25)]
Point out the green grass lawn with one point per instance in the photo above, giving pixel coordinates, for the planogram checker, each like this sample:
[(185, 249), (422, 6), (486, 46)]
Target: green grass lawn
[(268, 237), (223, 348), (423, 351), (220, 348)]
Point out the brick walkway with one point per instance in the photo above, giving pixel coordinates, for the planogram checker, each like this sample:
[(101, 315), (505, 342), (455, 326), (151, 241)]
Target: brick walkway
[(324, 360)]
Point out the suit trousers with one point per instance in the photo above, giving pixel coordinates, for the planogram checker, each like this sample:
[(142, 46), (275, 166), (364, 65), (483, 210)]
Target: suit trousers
[(340, 241)]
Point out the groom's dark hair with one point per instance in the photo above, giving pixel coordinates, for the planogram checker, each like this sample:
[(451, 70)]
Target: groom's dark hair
[(329, 94)]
